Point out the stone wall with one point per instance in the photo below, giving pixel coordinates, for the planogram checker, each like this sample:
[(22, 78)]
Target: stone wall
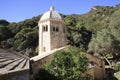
[(37, 62), (44, 37), (99, 66), (58, 38), (52, 38), (37, 65), (17, 75)]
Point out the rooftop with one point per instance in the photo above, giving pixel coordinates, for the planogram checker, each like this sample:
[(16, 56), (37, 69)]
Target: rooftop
[(12, 61), (51, 14)]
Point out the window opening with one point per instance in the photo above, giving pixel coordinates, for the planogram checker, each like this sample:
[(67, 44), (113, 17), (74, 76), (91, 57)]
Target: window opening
[(44, 49), (57, 29), (46, 27), (53, 28)]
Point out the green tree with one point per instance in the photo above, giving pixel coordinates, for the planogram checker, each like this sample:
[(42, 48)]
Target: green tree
[(5, 33), (7, 43), (70, 21), (13, 27), (4, 23), (115, 31), (68, 64), (102, 43), (108, 40), (79, 37), (27, 40)]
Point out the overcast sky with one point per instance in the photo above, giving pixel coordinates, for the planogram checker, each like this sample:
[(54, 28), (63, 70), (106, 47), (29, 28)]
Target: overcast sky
[(19, 10)]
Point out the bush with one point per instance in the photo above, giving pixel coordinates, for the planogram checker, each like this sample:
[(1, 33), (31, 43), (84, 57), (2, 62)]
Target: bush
[(117, 67), (68, 64)]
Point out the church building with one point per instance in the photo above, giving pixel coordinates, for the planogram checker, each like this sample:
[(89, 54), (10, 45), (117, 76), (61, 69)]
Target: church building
[(52, 37), (52, 31)]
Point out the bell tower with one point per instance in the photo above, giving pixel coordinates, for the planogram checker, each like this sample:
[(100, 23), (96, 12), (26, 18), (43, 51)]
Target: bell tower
[(52, 31)]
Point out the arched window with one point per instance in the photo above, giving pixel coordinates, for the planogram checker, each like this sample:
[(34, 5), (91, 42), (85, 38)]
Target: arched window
[(57, 29), (53, 28), (44, 49), (45, 28)]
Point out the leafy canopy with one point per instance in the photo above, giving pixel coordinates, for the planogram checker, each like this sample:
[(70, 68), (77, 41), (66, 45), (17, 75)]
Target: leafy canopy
[(67, 64)]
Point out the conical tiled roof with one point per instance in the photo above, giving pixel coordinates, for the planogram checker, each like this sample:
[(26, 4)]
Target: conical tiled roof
[(11, 62)]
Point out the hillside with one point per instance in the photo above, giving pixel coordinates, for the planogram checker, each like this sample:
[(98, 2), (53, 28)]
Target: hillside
[(82, 30)]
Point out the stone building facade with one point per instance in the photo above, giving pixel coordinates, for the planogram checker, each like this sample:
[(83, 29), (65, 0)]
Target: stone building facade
[(98, 71), (52, 31)]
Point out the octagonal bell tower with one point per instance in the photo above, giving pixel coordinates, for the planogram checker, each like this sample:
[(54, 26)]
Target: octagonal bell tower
[(52, 31)]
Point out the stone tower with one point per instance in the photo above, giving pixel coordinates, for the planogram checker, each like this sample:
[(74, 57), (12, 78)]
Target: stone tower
[(52, 31)]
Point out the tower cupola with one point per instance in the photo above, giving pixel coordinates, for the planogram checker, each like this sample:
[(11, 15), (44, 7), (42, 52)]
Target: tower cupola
[(51, 14)]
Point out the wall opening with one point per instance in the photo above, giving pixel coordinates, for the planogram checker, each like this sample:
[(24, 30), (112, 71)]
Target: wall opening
[(55, 29), (44, 49), (45, 28)]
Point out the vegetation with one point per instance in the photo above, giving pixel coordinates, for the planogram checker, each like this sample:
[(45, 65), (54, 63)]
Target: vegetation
[(67, 64), (96, 31), (117, 67), (21, 36), (107, 40)]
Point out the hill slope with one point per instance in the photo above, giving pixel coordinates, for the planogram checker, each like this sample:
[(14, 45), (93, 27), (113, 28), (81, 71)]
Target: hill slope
[(23, 36)]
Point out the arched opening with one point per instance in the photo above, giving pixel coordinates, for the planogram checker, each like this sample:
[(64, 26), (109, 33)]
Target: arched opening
[(44, 49), (45, 28), (55, 29)]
